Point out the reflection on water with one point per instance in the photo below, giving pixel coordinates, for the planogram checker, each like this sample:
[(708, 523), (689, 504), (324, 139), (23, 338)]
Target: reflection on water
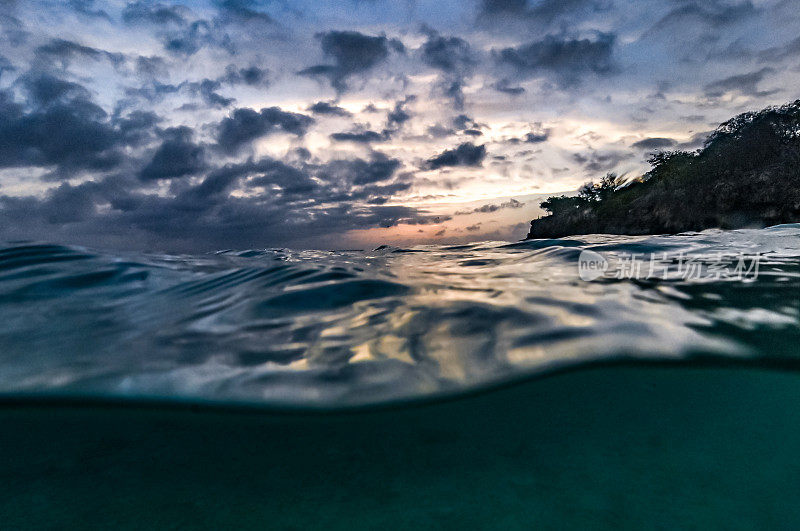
[(330, 329)]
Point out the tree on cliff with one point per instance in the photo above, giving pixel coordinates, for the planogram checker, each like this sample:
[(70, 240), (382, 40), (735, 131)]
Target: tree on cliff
[(746, 174)]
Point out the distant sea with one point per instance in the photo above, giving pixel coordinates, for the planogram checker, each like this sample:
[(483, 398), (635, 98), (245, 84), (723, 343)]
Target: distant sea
[(595, 381)]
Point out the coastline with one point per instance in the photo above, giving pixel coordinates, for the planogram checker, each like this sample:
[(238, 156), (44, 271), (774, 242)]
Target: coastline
[(747, 175)]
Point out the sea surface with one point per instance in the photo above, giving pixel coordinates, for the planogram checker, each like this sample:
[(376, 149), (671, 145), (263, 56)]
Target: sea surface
[(335, 329), (496, 385)]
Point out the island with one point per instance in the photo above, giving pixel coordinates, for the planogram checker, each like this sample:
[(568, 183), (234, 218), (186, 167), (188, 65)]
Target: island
[(746, 175)]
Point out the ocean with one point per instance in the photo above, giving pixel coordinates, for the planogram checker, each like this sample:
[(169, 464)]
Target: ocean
[(593, 381)]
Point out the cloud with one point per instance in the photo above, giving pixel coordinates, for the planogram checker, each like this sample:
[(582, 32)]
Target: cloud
[(394, 122), (464, 155), (537, 137), (329, 108), (243, 10), (490, 208), (779, 53), (463, 121), (86, 8), (207, 89), (136, 127), (697, 141), (245, 125), (188, 40), (504, 7), (178, 156), (654, 143), (439, 131), (601, 161), (360, 172), (447, 54), (567, 58), (43, 89), (64, 51), (361, 137), (352, 53), (345, 194), (155, 145), (540, 13), (159, 14), (251, 75), (64, 129), (399, 115), (712, 13), (746, 84), (454, 59), (505, 86)]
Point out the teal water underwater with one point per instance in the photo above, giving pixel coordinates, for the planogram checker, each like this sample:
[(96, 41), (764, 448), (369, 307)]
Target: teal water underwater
[(478, 386)]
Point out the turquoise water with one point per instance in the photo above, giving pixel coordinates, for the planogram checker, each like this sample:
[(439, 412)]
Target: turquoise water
[(477, 386)]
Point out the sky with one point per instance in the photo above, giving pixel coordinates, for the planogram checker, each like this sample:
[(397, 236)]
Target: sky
[(233, 124)]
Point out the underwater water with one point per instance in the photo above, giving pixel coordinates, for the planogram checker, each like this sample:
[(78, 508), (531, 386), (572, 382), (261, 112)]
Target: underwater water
[(477, 386)]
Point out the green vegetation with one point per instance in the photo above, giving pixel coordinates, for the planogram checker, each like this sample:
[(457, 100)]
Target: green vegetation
[(746, 175)]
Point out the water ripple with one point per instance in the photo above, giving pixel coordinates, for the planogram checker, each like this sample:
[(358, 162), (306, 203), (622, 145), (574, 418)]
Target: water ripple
[(347, 328)]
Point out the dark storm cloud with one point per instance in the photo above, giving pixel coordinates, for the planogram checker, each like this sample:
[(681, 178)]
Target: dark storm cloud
[(6, 66), (464, 155), (358, 171), (251, 75), (245, 125), (177, 156), (490, 208), (395, 119), (62, 205), (537, 137), (713, 13), (207, 90), (697, 141), (43, 89), (64, 51), (245, 10), (329, 108), (64, 128), (352, 53), (448, 54), (290, 180), (361, 137), (439, 131), (189, 40), (504, 7), (454, 59), (505, 86), (601, 161), (86, 8), (152, 66), (146, 12), (463, 122), (567, 58), (399, 115), (200, 216), (746, 84), (779, 53), (135, 128), (136, 177), (538, 12), (654, 143)]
